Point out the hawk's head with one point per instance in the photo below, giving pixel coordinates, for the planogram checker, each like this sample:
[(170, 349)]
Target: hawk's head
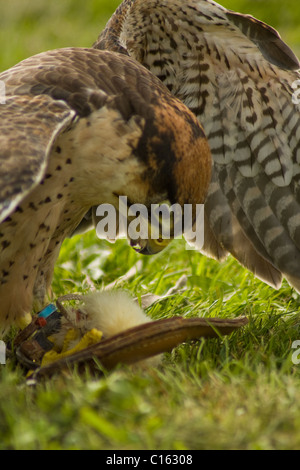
[(159, 147)]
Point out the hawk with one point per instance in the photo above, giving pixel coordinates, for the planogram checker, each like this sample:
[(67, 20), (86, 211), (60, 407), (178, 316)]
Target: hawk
[(240, 79), (78, 128)]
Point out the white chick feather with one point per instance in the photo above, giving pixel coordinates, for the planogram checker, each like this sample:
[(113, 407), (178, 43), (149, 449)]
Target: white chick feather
[(111, 312)]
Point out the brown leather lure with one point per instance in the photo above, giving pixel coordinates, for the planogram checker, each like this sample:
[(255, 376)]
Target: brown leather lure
[(128, 347)]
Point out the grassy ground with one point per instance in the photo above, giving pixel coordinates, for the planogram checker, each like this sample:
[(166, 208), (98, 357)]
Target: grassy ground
[(238, 393)]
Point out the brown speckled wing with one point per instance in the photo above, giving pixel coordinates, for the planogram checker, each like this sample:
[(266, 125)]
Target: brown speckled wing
[(28, 128)]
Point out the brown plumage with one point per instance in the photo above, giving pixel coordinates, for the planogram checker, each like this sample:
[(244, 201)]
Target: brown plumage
[(78, 128), (238, 76)]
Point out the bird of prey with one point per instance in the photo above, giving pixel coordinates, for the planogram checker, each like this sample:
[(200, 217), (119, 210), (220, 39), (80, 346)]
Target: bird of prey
[(78, 128), (241, 81)]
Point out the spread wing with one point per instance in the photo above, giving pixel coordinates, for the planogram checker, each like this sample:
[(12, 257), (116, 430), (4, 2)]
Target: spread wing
[(238, 76)]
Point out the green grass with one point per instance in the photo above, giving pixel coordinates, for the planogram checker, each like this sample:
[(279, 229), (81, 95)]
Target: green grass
[(241, 392)]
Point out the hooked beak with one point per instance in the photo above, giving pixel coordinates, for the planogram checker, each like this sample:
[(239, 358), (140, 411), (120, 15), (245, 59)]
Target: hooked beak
[(149, 246)]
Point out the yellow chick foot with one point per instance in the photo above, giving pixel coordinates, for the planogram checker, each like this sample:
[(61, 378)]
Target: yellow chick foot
[(91, 337)]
